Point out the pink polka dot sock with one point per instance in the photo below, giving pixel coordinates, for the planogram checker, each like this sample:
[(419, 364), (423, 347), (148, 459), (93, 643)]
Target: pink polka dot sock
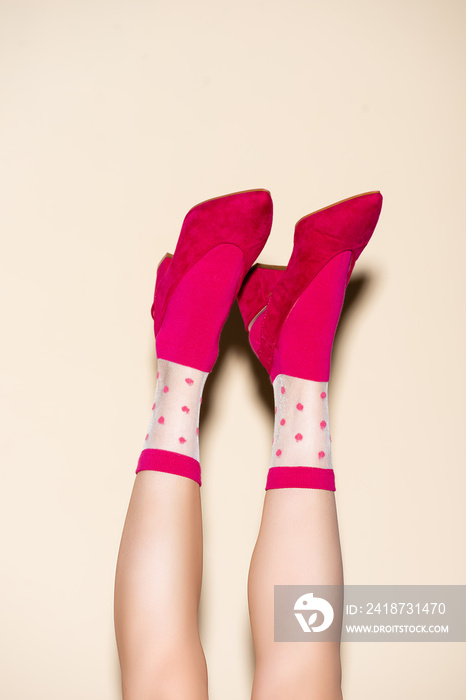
[(171, 443), (301, 454)]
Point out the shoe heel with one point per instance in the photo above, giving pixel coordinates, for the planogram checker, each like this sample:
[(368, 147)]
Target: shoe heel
[(162, 268), (256, 290)]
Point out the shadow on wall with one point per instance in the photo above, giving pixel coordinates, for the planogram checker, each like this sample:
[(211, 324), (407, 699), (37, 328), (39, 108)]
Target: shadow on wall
[(234, 339)]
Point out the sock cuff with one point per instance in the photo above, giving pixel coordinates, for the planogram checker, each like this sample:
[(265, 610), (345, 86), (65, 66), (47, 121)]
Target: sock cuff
[(169, 462), (300, 477)]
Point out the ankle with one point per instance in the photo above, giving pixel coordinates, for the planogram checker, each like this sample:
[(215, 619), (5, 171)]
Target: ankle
[(174, 423), (301, 431)]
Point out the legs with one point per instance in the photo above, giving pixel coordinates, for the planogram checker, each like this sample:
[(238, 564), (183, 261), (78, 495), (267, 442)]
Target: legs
[(298, 543), (159, 568), (157, 591)]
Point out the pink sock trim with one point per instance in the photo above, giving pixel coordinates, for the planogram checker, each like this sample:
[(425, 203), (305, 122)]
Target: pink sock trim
[(169, 462), (301, 478)]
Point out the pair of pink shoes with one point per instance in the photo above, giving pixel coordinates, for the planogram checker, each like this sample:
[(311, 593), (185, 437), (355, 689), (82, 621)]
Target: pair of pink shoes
[(291, 314)]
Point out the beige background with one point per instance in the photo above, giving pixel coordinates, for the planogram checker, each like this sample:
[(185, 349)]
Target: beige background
[(116, 118)]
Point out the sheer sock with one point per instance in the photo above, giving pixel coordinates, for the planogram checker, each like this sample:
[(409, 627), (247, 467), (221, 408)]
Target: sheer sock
[(172, 440), (301, 454)]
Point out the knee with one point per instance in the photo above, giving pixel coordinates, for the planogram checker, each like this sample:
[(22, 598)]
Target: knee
[(165, 674), (306, 677)]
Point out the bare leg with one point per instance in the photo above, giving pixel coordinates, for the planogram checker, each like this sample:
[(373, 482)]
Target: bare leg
[(157, 591), (298, 543)]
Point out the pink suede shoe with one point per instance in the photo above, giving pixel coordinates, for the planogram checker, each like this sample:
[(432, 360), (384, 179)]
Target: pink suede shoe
[(196, 286), (292, 314)]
